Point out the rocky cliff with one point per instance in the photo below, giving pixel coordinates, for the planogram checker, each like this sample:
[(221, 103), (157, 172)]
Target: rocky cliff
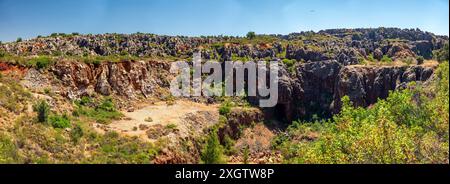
[(316, 88), (127, 78), (342, 45)]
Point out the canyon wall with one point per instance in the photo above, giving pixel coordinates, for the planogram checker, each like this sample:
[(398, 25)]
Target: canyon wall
[(316, 88), (313, 89)]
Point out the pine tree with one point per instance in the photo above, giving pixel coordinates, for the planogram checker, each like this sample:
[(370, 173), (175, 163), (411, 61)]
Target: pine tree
[(213, 152)]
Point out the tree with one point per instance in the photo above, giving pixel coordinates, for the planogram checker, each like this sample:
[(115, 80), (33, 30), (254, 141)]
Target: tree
[(213, 152), (42, 109), (251, 35), (19, 39), (246, 153)]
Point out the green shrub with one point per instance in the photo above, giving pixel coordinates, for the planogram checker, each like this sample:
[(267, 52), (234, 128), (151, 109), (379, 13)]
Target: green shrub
[(8, 150), (420, 60), (441, 54), (409, 60), (289, 62), (47, 91), (102, 112), (246, 154), (386, 59), (224, 109), (85, 100), (107, 105), (171, 126), (371, 58), (213, 151), (76, 133), (251, 35), (13, 96), (228, 145), (59, 121), (42, 109), (361, 60), (148, 119), (40, 62)]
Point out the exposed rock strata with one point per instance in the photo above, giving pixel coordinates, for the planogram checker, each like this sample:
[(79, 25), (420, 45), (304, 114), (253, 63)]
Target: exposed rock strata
[(128, 78)]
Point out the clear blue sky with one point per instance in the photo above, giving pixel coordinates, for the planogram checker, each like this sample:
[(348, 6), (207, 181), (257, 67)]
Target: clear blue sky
[(29, 18)]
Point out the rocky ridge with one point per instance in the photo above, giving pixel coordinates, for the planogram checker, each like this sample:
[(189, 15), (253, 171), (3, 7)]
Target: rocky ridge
[(342, 45)]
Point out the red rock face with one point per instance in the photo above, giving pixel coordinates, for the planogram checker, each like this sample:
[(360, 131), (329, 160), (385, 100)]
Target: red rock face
[(128, 78)]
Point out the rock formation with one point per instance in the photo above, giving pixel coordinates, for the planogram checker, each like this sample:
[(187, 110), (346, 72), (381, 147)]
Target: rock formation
[(127, 78)]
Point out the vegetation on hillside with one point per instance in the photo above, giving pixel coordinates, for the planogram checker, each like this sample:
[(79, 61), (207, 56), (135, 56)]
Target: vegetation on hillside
[(410, 126), (45, 136)]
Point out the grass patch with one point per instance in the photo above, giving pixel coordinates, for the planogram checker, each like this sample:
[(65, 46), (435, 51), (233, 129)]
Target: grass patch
[(102, 111)]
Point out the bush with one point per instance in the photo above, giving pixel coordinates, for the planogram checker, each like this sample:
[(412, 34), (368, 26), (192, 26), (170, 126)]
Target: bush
[(102, 112), (441, 54), (118, 149), (288, 62), (409, 60), (19, 40), (228, 145), (40, 62), (420, 60), (386, 59), (213, 152), (76, 133), (85, 100), (42, 109), (371, 58), (59, 121), (47, 91), (246, 154), (8, 150), (224, 109), (107, 105), (361, 60), (171, 126)]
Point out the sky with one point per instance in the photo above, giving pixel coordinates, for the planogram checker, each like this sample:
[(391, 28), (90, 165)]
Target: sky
[(30, 18)]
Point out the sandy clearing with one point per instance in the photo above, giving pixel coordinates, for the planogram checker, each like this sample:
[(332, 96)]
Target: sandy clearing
[(163, 114)]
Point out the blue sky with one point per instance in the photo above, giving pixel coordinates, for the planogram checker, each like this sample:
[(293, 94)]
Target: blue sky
[(29, 18)]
